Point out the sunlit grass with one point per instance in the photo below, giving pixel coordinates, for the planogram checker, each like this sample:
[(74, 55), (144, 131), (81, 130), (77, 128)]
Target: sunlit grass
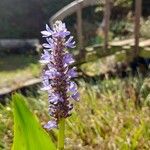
[(99, 66), (105, 118), (108, 120), (15, 69)]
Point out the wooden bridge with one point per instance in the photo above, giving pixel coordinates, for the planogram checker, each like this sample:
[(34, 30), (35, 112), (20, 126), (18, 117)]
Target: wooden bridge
[(133, 47), (123, 50), (75, 7)]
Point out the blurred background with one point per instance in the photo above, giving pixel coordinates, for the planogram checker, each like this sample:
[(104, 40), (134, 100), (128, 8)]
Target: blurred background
[(113, 53), (24, 19)]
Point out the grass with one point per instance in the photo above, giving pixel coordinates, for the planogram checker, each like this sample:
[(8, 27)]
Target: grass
[(15, 69), (99, 66), (106, 117)]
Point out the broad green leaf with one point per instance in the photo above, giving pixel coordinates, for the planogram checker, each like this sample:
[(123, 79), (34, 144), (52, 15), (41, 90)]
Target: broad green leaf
[(28, 133)]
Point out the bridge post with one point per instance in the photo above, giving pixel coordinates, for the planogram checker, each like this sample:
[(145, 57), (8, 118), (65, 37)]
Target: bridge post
[(79, 28), (138, 7), (106, 22)]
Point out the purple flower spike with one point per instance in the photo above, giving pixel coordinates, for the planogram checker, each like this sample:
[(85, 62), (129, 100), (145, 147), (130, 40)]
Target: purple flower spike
[(75, 96), (73, 87), (48, 32), (57, 73), (46, 84), (68, 59), (60, 30), (70, 43), (50, 125), (54, 99), (45, 58), (72, 73)]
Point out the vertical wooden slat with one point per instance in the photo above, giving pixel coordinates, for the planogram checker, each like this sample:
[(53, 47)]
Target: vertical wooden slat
[(79, 28), (106, 22), (138, 7)]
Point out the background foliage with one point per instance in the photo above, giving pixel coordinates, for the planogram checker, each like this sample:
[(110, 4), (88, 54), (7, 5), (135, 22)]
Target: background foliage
[(26, 18)]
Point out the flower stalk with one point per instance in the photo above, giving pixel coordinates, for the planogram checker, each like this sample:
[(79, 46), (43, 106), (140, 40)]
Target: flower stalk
[(61, 134), (57, 75)]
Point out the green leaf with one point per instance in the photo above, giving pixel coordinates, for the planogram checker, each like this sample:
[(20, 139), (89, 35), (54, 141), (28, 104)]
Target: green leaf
[(28, 133)]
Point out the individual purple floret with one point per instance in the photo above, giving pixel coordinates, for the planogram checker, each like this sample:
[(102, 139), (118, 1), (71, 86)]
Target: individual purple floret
[(57, 74)]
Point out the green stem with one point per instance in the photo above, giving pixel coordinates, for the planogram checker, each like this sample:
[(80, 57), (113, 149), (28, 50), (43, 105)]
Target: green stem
[(61, 134)]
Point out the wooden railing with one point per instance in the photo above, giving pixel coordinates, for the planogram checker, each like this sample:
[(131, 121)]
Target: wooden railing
[(72, 8), (75, 7), (78, 5)]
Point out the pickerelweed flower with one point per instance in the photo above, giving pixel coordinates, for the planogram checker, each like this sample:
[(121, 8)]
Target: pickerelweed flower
[(57, 72)]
